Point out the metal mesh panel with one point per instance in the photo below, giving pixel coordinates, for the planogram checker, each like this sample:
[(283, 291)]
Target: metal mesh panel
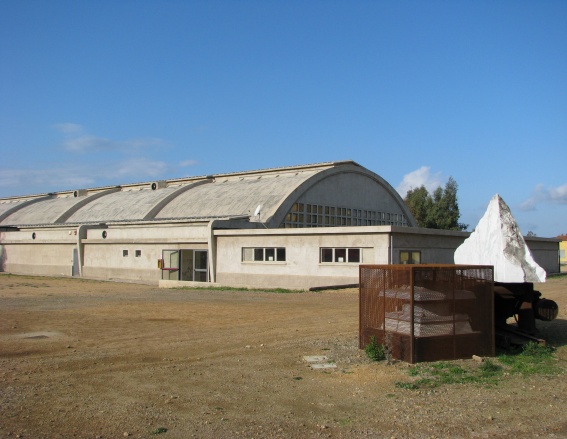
[(428, 312)]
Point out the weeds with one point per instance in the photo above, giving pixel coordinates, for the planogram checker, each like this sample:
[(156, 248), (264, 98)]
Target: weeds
[(532, 359), (374, 350)]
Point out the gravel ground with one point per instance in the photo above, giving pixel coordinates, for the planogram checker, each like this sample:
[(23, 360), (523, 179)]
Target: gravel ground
[(90, 359)]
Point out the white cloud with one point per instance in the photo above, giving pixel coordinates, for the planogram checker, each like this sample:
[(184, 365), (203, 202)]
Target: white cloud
[(139, 168), (87, 143), (46, 179), (420, 177), (69, 128), (187, 163), (69, 177), (76, 140), (541, 194)]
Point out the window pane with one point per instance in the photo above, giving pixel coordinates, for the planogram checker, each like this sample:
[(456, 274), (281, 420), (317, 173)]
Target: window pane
[(340, 255), (354, 255), (281, 254), (416, 257), (404, 257), (201, 276), (326, 255), (200, 260), (247, 254), (270, 254), (258, 254)]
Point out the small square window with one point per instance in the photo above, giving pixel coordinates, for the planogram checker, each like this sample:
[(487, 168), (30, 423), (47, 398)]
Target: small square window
[(124, 253), (138, 253), (410, 257)]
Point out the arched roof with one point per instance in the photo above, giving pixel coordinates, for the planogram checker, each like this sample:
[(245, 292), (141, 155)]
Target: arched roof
[(190, 199)]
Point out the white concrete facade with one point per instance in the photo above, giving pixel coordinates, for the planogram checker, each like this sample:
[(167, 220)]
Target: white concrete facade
[(323, 220)]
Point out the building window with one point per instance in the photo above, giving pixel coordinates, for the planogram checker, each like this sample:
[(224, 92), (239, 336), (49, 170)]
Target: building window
[(124, 253), (315, 215), (263, 254), (340, 255), (410, 257), (138, 253)]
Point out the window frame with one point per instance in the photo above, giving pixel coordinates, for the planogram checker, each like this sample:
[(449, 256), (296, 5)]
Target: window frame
[(336, 253), (264, 254), (410, 257)]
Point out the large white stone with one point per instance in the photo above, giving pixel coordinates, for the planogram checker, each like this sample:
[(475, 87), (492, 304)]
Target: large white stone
[(497, 241)]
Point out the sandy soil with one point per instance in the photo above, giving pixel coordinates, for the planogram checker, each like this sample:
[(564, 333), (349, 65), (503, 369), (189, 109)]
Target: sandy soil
[(90, 359)]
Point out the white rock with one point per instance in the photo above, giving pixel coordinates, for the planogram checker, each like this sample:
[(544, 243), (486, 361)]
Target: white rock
[(497, 241)]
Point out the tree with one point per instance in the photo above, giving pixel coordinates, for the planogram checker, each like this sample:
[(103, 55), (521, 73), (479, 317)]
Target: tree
[(420, 204), (437, 211)]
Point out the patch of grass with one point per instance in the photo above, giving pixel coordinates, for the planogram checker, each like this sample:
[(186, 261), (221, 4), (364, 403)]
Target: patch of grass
[(532, 359), (489, 369), (374, 350), (159, 430)]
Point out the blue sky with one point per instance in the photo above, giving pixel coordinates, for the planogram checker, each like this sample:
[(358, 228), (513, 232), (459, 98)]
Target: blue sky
[(94, 93)]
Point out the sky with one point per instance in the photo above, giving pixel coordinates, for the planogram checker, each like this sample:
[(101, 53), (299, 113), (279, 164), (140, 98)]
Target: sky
[(98, 93)]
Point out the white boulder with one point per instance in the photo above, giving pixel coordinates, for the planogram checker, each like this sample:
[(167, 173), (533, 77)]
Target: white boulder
[(497, 241)]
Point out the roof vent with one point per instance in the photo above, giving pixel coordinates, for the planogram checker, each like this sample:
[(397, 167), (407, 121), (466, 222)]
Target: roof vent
[(158, 185), (80, 193)]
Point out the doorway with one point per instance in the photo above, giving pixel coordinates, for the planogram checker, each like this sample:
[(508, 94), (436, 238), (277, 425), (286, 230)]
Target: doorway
[(187, 265)]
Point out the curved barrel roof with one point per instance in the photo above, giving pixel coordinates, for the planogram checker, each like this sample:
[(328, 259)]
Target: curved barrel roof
[(186, 199)]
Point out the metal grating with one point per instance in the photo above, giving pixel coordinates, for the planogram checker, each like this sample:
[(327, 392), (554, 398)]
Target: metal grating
[(428, 312)]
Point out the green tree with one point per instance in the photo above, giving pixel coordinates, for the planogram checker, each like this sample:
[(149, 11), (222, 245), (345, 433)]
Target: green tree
[(420, 204), (437, 211)]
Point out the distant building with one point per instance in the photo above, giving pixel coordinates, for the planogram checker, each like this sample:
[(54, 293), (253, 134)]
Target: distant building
[(562, 249), (293, 227)]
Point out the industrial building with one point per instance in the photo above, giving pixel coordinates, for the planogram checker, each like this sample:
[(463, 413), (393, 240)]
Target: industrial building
[(295, 227)]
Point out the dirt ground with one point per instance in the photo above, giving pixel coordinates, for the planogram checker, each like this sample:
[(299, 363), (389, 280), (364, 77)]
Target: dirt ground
[(88, 359)]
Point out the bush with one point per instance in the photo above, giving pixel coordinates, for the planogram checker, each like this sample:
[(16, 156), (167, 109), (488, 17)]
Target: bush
[(374, 350)]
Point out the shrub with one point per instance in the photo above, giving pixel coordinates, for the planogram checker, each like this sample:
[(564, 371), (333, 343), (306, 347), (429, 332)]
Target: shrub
[(374, 350)]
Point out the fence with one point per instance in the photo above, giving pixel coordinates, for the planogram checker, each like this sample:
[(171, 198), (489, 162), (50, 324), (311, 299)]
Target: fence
[(428, 312)]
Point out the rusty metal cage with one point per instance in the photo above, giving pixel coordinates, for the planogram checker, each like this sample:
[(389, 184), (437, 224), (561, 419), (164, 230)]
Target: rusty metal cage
[(428, 312)]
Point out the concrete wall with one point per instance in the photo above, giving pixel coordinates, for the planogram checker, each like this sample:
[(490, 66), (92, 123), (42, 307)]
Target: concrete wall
[(373, 197), (436, 246), (545, 252), (302, 268), (105, 258), (58, 251), (38, 251)]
